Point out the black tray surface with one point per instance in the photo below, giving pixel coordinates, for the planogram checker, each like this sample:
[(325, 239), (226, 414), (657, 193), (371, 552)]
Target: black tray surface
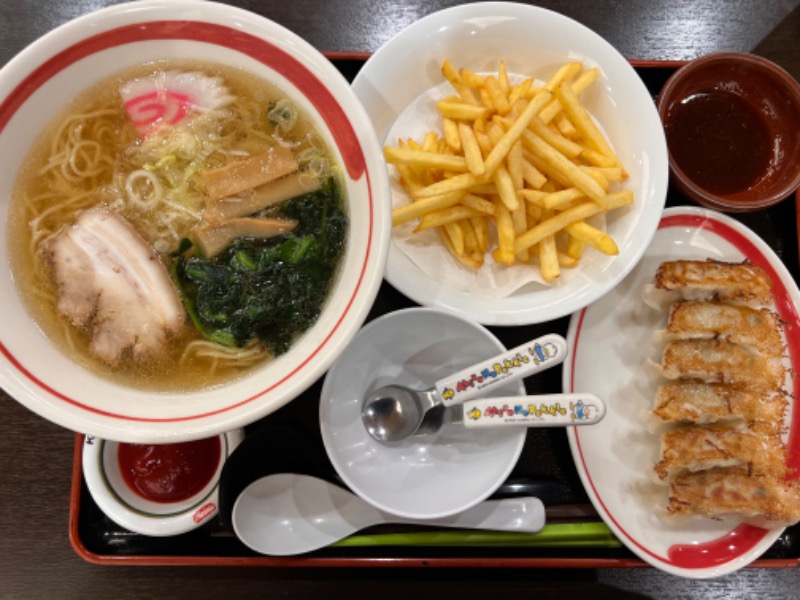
[(546, 453)]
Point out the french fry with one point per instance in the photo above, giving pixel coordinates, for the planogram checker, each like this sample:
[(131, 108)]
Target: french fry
[(481, 229), (533, 196), (548, 259), (464, 259), (419, 208), (513, 133), (594, 237), (470, 240), (565, 126), (450, 73), (410, 179), (477, 203), (575, 248), (502, 79), (564, 73), (484, 141), (569, 169), (583, 81), (483, 189), (463, 181), (519, 218), (486, 99), (558, 222), (609, 173), (551, 185), (531, 175), (565, 260), (504, 253), (496, 95), (428, 160), (430, 142), (468, 95), (461, 110), (516, 109), (471, 243), (495, 133), (583, 122), (520, 91), (535, 213), (450, 128), (598, 176), (562, 198), (505, 188), (514, 161), (472, 151), (444, 216), (456, 235), (564, 145), (471, 78), (553, 176), (595, 158)]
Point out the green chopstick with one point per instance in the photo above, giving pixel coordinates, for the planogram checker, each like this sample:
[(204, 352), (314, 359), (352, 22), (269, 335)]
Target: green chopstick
[(558, 535)]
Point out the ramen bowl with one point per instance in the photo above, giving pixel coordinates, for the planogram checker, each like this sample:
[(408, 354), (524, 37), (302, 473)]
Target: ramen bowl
[(730, 120), (158, 490), (65, 63)]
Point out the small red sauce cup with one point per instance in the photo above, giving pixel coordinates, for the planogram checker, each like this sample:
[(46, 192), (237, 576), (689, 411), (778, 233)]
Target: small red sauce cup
[(731, 121), (157, 489)]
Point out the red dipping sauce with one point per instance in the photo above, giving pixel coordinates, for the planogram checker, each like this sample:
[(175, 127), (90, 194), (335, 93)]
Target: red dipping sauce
[(719, 140), (730, 121), (169, 472)]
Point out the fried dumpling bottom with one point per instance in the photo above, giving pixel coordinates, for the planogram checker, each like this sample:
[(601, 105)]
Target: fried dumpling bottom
[(734, 493)]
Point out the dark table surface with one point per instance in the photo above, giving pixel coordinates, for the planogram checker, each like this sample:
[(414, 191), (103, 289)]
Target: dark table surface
[(36, 558)]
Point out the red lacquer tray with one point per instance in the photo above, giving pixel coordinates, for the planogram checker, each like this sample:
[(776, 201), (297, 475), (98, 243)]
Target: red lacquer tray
[(546, 454)]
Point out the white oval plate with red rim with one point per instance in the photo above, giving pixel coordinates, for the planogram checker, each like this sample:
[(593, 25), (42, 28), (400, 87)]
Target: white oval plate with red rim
[(610, 341)]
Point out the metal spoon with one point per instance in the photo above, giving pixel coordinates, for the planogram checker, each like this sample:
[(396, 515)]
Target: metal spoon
[(393, 412), (287, 513)]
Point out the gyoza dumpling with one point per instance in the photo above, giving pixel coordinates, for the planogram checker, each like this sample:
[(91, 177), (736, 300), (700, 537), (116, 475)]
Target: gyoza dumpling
[(734, 283), (757, 329), (700, 403), (698, 448), (735, 493), (715, 361)]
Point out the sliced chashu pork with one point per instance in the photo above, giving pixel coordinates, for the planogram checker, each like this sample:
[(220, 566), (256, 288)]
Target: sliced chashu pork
[(111, 282)]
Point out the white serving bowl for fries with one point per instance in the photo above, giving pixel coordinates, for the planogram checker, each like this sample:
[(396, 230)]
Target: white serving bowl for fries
[(34, 87), (531, 41)]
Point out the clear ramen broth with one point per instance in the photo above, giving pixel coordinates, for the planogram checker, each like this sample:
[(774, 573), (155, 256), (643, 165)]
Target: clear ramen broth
[(165, 178)]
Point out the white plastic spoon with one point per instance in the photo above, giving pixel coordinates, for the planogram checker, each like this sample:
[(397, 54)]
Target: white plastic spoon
[(288, 513)]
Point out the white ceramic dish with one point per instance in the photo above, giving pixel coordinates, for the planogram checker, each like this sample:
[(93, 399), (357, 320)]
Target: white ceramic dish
[(121, 504), (87, 50), (530, 40), (610, 340), (420, 477)]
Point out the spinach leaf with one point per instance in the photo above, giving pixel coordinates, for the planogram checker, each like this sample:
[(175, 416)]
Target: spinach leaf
[(273, 289)]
